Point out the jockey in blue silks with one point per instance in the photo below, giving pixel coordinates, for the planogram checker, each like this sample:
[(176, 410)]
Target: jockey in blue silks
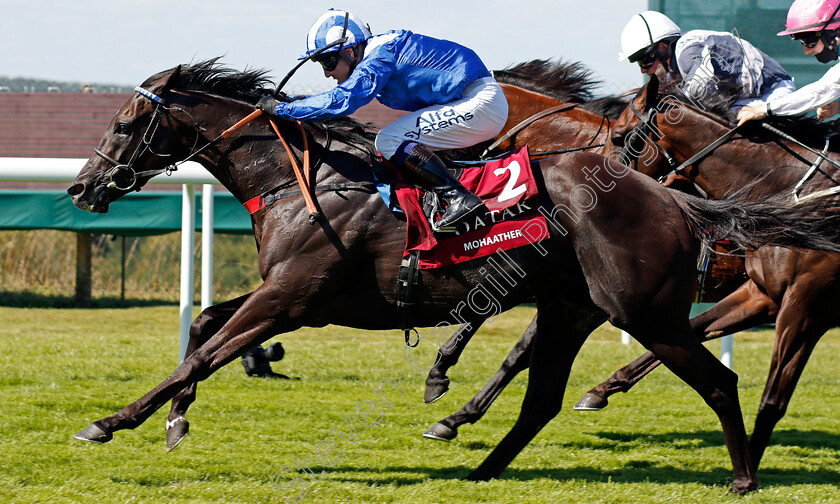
[(453, 100)]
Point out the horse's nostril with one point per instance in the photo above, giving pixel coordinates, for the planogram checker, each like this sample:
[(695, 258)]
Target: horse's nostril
[(76, 189)]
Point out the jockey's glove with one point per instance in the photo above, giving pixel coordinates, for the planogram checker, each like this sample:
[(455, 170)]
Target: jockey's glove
[(267, 104)]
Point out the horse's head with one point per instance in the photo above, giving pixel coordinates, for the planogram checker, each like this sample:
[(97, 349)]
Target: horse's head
[(666, 130), (137, 145), (636, 135)]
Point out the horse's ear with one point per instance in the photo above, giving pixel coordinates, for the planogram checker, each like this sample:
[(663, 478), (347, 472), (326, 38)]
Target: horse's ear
[(647, 93), (653, 85), (172, 80)]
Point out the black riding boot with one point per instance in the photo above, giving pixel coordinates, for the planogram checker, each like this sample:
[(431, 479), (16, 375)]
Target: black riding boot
[(430, 173), (257, 361)]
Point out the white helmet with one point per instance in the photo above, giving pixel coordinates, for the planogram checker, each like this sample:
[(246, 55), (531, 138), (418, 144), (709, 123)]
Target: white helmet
[(645, 29), (330, 27)]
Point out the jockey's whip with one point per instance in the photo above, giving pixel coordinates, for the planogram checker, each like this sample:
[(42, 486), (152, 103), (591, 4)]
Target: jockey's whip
[(797, 142)]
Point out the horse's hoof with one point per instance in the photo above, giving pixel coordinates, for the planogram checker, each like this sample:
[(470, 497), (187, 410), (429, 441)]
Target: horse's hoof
[(435, 390), (591, 402), (743, 487), (176, 431), (440, 432), (94, 434)]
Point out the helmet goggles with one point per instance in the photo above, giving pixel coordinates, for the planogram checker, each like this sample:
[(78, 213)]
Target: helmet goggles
[(645, 58), (327, 60), (807, 39)]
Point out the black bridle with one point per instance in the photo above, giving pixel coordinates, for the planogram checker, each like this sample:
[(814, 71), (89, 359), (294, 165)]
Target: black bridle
[(647, 124), (265, 199), (126, 171)]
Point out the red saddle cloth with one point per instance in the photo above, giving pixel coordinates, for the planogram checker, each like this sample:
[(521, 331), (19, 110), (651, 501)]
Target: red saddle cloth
[(509, 192)]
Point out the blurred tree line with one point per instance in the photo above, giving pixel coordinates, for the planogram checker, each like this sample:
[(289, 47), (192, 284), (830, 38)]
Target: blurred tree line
[(27, 85)]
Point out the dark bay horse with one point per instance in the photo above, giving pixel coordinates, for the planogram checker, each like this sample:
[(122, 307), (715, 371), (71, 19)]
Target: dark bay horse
[(574, 121), (552, 109), (583, 267), (798, 289)]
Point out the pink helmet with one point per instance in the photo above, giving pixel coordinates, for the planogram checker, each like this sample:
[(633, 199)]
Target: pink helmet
[(812, 16)]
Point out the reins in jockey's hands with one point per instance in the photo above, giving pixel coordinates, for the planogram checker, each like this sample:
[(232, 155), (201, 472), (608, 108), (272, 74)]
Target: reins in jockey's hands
[(451, 98), (268, 104), (752, 113)]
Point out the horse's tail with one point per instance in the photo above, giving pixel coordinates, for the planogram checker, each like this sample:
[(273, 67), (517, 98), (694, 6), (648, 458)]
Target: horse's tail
[(768, 221)]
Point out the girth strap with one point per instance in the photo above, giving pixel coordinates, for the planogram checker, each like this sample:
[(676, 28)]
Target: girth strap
[(268, 198)]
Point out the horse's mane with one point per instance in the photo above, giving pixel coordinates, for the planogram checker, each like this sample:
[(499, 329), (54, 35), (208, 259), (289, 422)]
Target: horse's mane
[(569, 82), (717, 104), (249, 86), (806, 129), (211, 77), (610, 107), (565, 81)]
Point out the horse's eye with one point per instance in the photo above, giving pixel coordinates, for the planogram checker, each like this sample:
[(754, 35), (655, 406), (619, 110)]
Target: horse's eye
[(122, 128)]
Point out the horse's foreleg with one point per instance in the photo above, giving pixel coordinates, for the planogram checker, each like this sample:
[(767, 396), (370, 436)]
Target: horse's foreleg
[(437, 383), (209, 322), (796, 336), (747, 307), (248, 327), (516, 361), (559, 337)]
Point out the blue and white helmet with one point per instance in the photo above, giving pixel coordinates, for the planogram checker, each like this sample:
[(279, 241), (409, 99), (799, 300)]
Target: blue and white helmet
[(330, 27)]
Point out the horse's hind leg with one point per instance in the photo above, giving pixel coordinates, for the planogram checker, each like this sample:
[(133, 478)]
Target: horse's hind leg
[(437, 383), (620, 381), (686, 357), (797, 334), (747, 307), (208, 323), (516, 361), (560, 334)]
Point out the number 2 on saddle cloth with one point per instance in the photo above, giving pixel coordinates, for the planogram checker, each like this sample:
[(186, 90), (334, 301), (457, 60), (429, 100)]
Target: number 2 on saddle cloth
[(507, 187)]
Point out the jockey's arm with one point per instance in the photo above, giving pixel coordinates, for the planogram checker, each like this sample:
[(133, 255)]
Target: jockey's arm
[(814, 95), (822, 94), (359, 89)]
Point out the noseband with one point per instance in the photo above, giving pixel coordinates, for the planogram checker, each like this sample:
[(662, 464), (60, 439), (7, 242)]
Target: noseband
[(126, 171)]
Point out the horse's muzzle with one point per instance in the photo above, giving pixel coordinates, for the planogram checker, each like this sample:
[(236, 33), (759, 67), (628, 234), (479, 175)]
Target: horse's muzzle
[(96, 201)]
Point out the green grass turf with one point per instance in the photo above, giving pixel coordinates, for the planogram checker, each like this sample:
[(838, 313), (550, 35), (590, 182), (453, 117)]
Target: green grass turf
[(62, 369)]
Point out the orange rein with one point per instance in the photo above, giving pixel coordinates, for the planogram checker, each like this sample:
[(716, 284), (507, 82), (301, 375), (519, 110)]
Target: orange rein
[(233, 129), (302, 176)]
